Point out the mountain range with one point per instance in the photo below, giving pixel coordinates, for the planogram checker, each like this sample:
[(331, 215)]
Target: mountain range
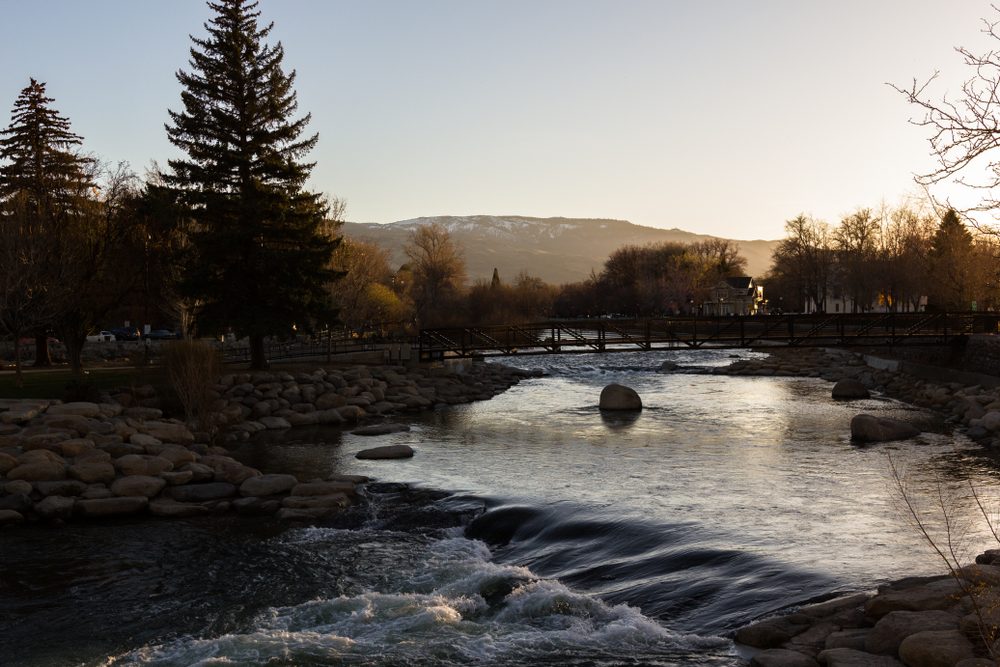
[(557, 250)]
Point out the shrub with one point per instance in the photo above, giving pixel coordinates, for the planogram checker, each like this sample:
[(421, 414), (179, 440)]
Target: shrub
[(192, 369)]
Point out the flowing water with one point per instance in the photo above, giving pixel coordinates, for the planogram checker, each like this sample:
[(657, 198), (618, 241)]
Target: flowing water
[(527, 530)]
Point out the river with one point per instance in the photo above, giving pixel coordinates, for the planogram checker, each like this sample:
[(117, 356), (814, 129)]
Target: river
[(527, 530)]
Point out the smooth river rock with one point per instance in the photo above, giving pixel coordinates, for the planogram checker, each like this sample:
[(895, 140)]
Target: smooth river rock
[(869, 428), (387, 452), (849, 388), (619, 397), (267, 485), (380, 429)]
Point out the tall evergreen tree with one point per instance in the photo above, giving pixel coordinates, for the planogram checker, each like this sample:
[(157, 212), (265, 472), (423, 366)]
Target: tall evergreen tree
[(951, 264), (44, 184), (260, 243)]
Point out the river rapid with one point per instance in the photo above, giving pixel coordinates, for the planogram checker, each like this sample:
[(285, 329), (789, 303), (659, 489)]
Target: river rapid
[(527, 530)]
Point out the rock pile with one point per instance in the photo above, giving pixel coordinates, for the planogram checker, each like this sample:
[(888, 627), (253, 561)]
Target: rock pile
[(247, 403), (914, 622), (60, 461)]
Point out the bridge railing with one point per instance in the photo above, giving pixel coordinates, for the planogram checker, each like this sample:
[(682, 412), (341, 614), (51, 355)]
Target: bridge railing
[(608, 335)]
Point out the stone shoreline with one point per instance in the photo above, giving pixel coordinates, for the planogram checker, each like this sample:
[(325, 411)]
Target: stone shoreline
[(917, 622), (120, 457)]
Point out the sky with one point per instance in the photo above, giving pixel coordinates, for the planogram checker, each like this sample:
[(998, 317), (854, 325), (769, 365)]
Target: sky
[(723, 117)]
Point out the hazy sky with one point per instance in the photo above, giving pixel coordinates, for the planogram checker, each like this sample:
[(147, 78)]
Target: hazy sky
[(719, 117)]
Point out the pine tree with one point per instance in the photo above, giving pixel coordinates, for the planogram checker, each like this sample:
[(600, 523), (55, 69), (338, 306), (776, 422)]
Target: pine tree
[(40, 156), (43, 186), (951, 264), (261, 245)]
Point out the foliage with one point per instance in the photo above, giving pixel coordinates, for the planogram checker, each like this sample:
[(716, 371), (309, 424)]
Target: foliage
[(260, 243), (436, 274), (193, 367)]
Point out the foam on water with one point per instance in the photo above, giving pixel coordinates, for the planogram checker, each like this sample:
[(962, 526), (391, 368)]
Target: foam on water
[(452, 605)]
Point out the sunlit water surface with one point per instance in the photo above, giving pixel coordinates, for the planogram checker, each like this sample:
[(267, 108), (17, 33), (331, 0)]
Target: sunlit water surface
[(540, 532)]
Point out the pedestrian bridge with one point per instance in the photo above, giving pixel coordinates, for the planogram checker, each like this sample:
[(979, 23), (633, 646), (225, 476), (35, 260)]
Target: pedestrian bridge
[(697, 332)]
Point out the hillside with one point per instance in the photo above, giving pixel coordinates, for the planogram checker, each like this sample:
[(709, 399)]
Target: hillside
[(558, 250)]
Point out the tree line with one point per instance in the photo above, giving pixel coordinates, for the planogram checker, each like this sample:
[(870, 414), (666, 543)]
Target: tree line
[(888, 259)]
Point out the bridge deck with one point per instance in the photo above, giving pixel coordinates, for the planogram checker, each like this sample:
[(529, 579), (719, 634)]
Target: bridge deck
[(611, 335)]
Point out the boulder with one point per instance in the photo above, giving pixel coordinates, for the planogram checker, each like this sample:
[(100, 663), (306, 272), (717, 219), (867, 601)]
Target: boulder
[(19, 502), (869, 428), (619, 397), (386, 452), (381, 429), (274, 423), (142, 464), (138, 485), (312, 514), (854, 639), (849, 388), (172, 508), (779, 657), (253, 505), (896, 626), (69, 487), (168, 432), (143, 413), (92, 472), (177, 455), (938, 594), (935, 648), (267, 485), (846, 657), (200, 471), (177, 478), (199, 493), (82, 408), (55, 507), (10, 517), (75, 446), (102, 507), (7, 462), (17, 486), (144, 440), (40, 471), (773, 632)]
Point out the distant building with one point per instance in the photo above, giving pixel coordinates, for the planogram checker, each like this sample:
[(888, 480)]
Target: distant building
[(737, 295)]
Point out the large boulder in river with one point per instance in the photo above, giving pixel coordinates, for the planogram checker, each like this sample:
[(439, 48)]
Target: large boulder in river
[(869, 428), (387, 452), (620, 397), (849, 388)]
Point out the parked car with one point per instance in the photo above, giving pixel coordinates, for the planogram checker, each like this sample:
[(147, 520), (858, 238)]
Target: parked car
[(127, 333), (162, 334), (101, 337)]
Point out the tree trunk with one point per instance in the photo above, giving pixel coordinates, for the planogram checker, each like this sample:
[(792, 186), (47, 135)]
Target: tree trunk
[(19, 381), (258, 362), (42, 356), (74, 350)]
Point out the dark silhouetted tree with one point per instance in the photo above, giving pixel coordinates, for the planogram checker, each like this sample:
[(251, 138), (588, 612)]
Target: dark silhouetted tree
[(44, 183), (260, 243)]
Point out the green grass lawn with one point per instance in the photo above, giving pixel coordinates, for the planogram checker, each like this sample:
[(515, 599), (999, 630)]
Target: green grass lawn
[(53, 383)]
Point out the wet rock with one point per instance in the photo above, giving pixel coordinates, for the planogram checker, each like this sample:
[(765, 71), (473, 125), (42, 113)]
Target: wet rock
[(940, 594), (869, 428), (773, 632), (267, 485), (896, 626), (289, 514), (312, 502), (619, 397), (138, 485), (253, 505), (849, 388), (779, 657), (199, 493), (386, 452), (274, 423), (935, 648), (120, 506)]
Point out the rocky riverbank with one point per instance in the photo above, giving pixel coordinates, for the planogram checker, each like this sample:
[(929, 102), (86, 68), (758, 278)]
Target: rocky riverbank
[(929, 622), (122, 457)]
